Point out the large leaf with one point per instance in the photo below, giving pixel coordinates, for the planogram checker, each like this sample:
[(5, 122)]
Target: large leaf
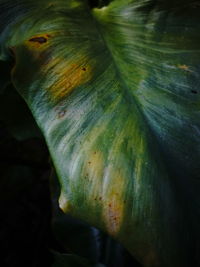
[(116, 93)]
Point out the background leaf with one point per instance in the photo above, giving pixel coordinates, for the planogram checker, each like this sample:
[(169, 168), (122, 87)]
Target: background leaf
[(64, 260), (24, 202)]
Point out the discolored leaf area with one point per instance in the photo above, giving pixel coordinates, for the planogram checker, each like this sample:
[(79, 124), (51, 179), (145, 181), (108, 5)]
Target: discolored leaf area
[(115, 91)]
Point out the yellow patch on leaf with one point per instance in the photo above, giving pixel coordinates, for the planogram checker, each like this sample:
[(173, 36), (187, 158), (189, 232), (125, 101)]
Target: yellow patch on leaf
[(64, 204), (68, 78), (106, 190), (93, 173), (113, 207), (184, 67)]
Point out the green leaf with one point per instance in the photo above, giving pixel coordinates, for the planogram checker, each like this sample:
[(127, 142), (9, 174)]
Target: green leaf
[(115, 91)]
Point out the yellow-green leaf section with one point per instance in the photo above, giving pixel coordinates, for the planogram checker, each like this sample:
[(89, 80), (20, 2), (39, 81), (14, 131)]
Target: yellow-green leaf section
[(116, 93)]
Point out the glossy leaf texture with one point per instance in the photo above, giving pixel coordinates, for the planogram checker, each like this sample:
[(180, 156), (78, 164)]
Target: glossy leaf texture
[(115, 91)]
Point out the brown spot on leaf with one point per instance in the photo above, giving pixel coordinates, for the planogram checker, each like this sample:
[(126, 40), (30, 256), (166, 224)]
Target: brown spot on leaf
[(40, 40), (61, 114), (94, 167)]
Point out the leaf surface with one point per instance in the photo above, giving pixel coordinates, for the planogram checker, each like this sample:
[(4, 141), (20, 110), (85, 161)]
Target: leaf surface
[(116, 93)]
